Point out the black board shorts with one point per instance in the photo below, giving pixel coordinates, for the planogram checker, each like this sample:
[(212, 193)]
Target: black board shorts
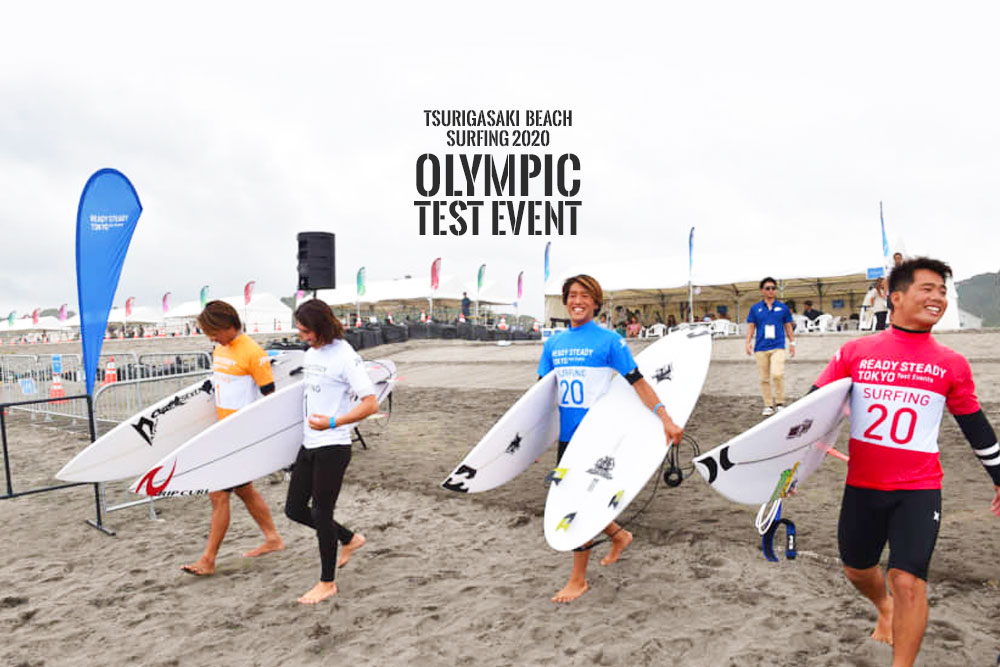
[(908, 520), (233, 488)]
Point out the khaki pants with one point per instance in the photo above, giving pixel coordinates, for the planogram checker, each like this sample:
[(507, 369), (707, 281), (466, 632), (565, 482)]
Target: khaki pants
[(771, 371)]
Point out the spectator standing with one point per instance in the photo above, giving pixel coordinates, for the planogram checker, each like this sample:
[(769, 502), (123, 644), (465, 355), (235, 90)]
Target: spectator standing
[(466, 305), (769, 323), (875, 302)]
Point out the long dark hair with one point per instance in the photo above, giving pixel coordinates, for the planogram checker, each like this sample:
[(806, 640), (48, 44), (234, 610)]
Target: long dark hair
[(219, 316), (316, 316)]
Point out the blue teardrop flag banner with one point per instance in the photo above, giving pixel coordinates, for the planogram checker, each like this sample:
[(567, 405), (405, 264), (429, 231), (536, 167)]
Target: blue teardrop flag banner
[(109, 210)]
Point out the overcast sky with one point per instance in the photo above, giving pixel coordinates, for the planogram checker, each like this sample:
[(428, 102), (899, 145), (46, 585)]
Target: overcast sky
[(773, 128)]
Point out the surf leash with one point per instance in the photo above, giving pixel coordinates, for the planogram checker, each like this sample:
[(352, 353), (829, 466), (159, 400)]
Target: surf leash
[(767, 539), (840, 455), (668, 469), (770, 511), (674, 474)]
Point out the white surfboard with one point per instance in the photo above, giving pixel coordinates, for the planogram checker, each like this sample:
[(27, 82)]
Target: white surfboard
[(620, 443), (132, 446), (263, 437), (747, 468), (523, 434)]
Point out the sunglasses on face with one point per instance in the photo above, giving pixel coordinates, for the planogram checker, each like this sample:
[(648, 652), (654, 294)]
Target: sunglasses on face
[(770, 288)]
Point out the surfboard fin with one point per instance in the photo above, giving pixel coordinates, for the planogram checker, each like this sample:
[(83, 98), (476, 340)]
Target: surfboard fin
[(566, 521), (556, 475)]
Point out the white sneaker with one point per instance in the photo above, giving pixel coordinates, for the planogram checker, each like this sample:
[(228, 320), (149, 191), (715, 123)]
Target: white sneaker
[(779, 408), (767, 411)]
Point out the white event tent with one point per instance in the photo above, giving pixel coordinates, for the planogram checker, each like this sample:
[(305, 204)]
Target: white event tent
[(720, 279), (264, 314), (412, 293)]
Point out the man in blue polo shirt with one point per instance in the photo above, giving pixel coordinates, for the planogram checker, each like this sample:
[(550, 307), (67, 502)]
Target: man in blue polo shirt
[(769, 322)]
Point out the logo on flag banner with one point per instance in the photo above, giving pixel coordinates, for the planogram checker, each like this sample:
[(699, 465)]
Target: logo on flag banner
[(105, 221), (435, 273), (248, 292)]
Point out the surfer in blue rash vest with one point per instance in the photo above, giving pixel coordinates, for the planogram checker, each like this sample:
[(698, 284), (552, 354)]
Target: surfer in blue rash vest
[(334, 373), (584, 358)]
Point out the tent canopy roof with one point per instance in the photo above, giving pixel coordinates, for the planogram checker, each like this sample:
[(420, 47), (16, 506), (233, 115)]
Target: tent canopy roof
[(411, 291)]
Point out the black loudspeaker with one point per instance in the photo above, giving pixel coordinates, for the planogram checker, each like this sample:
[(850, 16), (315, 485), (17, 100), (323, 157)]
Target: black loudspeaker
[(316, 261)]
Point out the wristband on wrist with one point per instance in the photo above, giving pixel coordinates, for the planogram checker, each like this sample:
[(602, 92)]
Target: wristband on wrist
[(333, 422), (658, 406), (791, 343)]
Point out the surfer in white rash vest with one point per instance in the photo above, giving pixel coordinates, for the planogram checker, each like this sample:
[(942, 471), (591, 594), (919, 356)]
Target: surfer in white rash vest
[(584, 358), (333, 374), (242, 372), (903, 380)]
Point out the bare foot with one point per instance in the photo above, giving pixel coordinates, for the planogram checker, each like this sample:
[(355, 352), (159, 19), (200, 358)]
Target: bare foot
[(319, 592), (201, 568), (883, 627), (619, 542), (356, 543), (276, 544), (572, 591)]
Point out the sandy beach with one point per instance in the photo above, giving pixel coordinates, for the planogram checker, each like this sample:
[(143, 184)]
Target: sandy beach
[(466, 579)]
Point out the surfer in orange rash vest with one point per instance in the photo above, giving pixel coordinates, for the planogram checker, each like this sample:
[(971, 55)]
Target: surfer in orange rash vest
[(584, 358), (241, 369)]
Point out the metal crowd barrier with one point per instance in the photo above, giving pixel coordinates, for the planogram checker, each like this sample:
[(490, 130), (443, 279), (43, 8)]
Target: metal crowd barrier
[(25, 377), (97, 522), (26, 385), (117, 401)]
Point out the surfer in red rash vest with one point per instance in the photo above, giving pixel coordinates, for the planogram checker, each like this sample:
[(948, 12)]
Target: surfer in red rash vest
[(903, 380), (587, 354)]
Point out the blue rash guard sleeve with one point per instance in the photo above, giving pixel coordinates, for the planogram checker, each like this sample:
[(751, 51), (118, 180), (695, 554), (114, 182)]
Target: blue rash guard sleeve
[(621, 358), (545, 362)]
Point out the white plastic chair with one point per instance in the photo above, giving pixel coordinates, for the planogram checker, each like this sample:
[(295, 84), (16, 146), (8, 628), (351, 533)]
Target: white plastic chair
[(821, 323), (801, 323), (867, 321), (724, 328)]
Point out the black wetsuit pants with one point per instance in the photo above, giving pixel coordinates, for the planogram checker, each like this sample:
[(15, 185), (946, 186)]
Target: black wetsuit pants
[(317, 475)]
